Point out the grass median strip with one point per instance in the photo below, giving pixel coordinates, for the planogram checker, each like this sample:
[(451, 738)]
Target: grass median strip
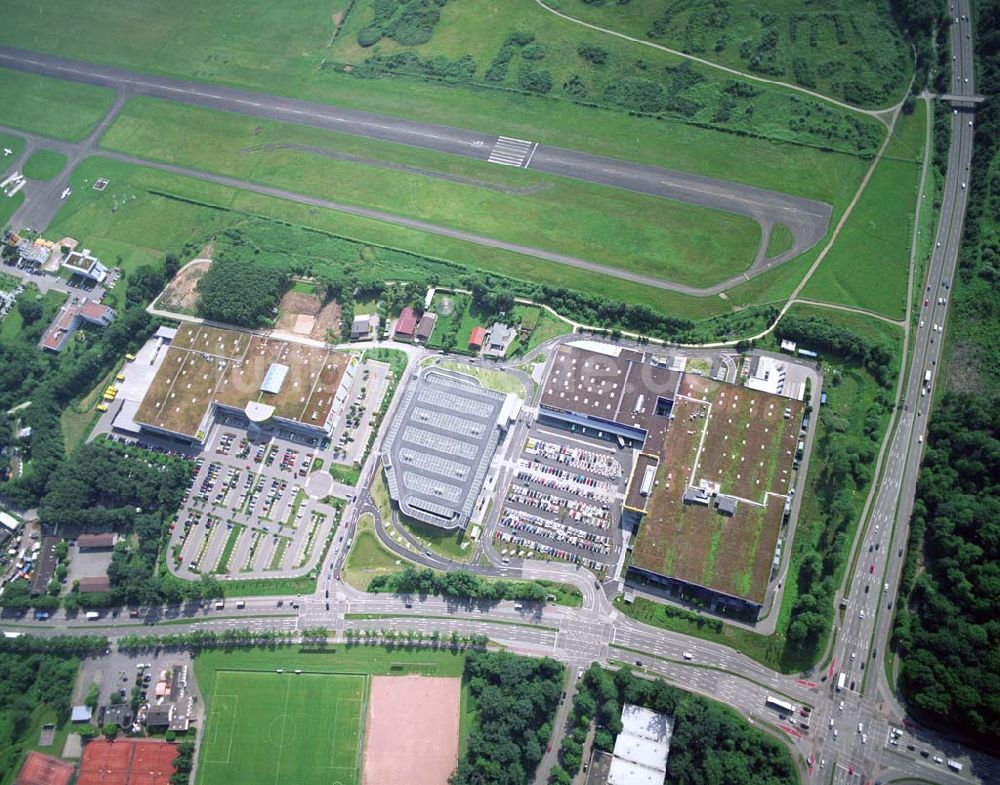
[(376, 616)]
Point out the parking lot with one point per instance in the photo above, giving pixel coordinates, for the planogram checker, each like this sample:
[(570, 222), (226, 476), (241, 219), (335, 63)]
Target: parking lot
[(350, 435), (564, 500), (169, 673), (247, 513)]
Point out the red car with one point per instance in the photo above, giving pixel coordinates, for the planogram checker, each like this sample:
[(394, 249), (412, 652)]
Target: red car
[(926, 301), (871, 569)]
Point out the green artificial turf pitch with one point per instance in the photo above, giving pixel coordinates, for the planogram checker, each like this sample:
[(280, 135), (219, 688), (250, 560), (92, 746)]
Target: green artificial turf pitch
[(269, 728)]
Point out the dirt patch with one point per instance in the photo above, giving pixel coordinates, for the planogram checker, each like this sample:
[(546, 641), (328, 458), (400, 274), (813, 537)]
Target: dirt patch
[(181, 295), (327, 320), (412, 730), (292, 306), (337, 18)]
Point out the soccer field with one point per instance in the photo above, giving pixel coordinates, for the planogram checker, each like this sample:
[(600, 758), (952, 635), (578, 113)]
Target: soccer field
[(267, 728)]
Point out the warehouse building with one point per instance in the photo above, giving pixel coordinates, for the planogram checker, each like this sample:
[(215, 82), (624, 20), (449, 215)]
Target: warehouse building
[(255, 381)]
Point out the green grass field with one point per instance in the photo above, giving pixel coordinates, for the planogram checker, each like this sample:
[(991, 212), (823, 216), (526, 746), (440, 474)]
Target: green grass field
[(289, 61), (266, 728), (868, 265), (843, 40), (8, 206), (145, 226), (779, 241), (14, 143), (44, 164), (51, 107), (306, 714), (368, 557), (625, 76), (668, 239)]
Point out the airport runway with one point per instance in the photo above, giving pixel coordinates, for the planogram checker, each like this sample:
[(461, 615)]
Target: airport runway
[(807, 219)]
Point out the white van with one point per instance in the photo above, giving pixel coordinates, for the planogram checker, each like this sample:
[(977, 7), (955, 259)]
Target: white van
[(93, 615), (687, 655)]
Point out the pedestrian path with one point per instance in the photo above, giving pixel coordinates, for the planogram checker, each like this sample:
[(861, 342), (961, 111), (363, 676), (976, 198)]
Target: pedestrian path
[(508, 151)]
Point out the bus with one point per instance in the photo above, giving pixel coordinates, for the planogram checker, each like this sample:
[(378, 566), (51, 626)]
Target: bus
[(782, 706)]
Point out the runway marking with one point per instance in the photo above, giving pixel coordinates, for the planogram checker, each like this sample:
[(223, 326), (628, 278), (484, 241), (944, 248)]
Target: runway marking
[(508, 151)]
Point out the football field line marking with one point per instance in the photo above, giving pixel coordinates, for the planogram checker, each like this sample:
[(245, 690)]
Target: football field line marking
[(284, 713)]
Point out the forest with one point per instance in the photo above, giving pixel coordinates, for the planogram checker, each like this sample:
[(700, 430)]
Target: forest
[(515, 699), (948, 633), (711, 744), (240, 293), (28, 683)]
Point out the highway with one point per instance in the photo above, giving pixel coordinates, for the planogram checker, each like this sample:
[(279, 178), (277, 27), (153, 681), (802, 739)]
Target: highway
[(855, 735), (866, 616), (807, 219)]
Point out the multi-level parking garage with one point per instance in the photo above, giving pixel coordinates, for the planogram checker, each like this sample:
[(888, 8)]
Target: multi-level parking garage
[(440, 445)]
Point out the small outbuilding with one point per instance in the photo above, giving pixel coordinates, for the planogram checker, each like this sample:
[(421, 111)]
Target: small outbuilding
[(98, 583), (406, 325), (102, 541), (81, 714), (426, 327), (477, 337)]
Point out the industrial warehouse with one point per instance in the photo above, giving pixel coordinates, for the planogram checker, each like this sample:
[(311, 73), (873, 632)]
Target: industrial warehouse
[(709, 491), (255, 380)]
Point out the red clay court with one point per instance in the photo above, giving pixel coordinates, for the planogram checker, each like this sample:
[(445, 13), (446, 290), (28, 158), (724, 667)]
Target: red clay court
[(127, 763), (412, 734), (41, 769)]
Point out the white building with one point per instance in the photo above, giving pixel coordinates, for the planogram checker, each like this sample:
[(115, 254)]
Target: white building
[(86, 264), (642, 747)]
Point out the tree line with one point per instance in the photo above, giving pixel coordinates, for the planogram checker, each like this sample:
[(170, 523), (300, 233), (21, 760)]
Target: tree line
[(456, 583), (819, 335)]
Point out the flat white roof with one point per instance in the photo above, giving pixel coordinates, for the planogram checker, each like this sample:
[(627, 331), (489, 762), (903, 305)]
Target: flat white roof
[(646, 723), (274, 378), (598, 347), (125, 419), (624, 773), (258, 412), (641, 748), (8, 520)]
